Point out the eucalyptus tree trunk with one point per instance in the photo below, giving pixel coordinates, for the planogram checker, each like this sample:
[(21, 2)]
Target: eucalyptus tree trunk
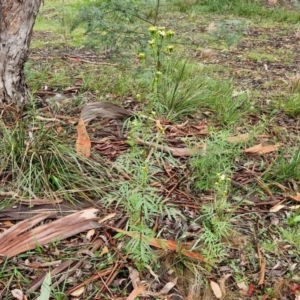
[(17, 18)]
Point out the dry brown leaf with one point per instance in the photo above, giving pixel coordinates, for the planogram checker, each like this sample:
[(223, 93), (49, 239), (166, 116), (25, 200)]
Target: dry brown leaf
[(262, 272), (8, 224), (163, 292), (173, 246), (6, 194), (242, 286), (277, 208), (260, 149), (26, 235), (182, 125), (222, 283), (78, 292), (294, 207), (90, 234), (112, 215), (163, 244), (134, 277), (211, 27), (83, 143), (294, 81), (280, 186), (103, 251), (296, 198), (208, 53), (17, 294), (136, 292), (272, 2), (239, 138), (216, 289), (156, 277), (158, 125), (179, 152), (251, 289), (168, 286)]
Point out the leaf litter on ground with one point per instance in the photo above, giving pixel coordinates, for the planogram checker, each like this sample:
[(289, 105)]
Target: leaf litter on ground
[(257, 75)]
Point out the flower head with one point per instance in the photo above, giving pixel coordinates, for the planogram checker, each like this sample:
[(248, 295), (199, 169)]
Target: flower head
[(170, 48), (170, 33), (141, 56), (162, 33), (151, 42), (152, 29), (222, 177)]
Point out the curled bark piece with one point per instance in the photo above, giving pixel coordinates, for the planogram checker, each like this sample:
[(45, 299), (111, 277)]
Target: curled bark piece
[(104, 110)]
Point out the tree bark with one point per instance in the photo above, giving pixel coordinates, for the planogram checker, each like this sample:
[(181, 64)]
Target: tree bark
[(17, 18)]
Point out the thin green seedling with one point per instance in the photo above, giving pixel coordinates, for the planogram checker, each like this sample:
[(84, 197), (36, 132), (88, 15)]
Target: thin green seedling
[(217, 158), (215, 220), (140, 202)]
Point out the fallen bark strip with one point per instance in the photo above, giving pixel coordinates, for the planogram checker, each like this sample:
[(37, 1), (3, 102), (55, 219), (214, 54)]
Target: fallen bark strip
[(175, 151), (163, 244), (23, 237), (23, 211)]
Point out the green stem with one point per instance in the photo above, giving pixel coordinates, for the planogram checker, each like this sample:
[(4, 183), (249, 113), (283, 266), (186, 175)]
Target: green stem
[(156, 12)]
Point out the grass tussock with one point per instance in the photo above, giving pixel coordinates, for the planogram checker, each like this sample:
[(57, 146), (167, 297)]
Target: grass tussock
[(42, 163)]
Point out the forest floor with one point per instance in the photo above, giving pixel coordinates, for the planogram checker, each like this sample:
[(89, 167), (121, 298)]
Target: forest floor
[(203, 205)]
